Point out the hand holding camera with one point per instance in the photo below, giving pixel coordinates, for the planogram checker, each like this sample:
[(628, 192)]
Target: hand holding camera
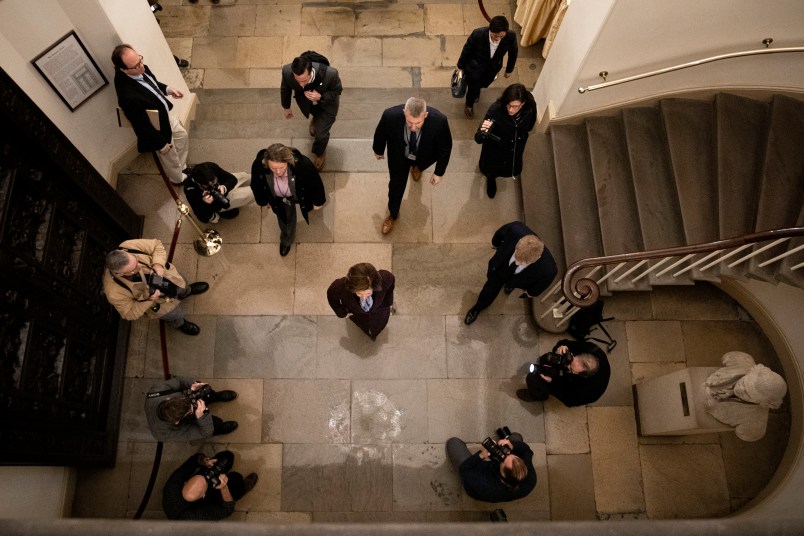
[(485, 131), (215, 193), (553, 365)]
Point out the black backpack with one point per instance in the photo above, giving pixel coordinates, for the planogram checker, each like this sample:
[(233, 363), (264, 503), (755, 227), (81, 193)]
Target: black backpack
[(587, 320), (314, 56)]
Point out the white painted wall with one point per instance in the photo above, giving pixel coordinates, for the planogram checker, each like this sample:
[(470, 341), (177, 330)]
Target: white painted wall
[(28, 28), (628, 37)]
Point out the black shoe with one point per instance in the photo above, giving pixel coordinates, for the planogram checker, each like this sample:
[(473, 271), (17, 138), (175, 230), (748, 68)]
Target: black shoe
[(198, 288), (183, 64), (283, 249), (491, 187), (471, 316), (249, 482), (227, 428), (229, 214), (508, 290), (222, 396), (188, 170), (189, 328)]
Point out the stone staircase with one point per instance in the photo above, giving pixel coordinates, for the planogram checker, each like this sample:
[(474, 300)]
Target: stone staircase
[(678, 173)]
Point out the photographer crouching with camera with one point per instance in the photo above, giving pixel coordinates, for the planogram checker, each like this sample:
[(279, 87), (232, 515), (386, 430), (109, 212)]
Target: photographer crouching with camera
[(138, 281), (177, 411), (214, 193), (575, 372), (501, 471), (205, 489)]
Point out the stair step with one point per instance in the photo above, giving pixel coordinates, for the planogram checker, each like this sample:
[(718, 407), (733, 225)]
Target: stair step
[(576, 193), (795, 278), (616, 200), (741, 142), (689, 125)]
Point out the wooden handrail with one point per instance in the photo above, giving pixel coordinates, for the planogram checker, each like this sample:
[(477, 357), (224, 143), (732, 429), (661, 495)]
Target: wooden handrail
[(589, 291)]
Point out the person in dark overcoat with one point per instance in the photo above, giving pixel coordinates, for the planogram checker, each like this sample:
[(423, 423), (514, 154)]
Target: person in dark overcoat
[(482, 58), (504, 133), (365, 296), (283, 178)]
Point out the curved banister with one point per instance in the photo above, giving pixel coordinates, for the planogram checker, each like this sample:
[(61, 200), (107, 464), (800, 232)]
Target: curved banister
[(702, 61), (586, 291)]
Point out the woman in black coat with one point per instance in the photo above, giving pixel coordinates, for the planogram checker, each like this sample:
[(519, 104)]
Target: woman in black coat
[(504, 133), (365, 296)]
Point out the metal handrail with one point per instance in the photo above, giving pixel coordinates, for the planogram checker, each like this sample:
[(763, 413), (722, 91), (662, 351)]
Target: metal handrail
[(584, 291), (767, 42)]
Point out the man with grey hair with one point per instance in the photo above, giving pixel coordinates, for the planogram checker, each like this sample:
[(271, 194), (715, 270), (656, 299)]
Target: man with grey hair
[(413, 145), (138, 281)]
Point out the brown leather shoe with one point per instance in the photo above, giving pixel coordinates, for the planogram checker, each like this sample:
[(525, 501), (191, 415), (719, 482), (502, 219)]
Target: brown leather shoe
[(319, 161), (415, 174), (249, 482), (312, 128), (387, 225), (468, 111)]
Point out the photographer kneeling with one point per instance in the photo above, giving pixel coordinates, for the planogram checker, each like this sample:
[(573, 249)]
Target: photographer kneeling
[(575, 372), (501, 471), (177, 411), (205, 489), (214, 193)]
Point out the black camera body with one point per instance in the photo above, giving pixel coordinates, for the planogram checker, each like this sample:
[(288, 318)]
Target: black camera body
[(165, 287), (217, 195), (212, 474), (553, 365), (487, 135), (198, 394)]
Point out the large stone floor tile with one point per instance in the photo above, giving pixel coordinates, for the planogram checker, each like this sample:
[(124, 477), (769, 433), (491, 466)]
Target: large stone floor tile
[(453, 46), (296, 44), (356, 51), (267, 347), (266, 461), (306, 411), (629, 306), (474, 409), (702, 301), (376, 77), (280, 518), (322, 221), (391, 20), (214, 52), (361, 207), (237, 276), (231, 154), (251, 52), (246, 409), (654, 341), (465, 156), (371, 477), (424, 479), (463, 212), (354, 156), (188, 356), (501, 346), (237, 20), (137, 345), (641, 372), (215, 78), (283, 19), (389, 411), (620, 389), (572, 493), (173, 455), (370, 517), (133, 426), (264, 78), (684, 481), (566, 429), (705, 342), (112, 502), (615, 460), (176, 21), (473, 18), (244, 229), (409, 347), (399, 51), (440, 279), (318, 265), (441, 19), (336, 20)]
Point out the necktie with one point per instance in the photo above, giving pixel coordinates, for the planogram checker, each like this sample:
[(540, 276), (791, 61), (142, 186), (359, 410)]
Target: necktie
[(412, 143)]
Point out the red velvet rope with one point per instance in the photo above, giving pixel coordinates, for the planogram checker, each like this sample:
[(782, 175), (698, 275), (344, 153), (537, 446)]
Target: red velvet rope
[(483, 10)]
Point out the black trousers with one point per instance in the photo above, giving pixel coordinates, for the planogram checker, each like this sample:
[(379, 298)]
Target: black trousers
[(322, 122), (397, 184), (236, 483), (537, 387), (494, 284)]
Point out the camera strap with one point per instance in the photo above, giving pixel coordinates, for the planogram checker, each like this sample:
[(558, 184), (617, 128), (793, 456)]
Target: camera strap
[(157, 394)]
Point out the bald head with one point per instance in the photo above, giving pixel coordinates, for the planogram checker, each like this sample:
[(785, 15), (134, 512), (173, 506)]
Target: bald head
[(194, 489)]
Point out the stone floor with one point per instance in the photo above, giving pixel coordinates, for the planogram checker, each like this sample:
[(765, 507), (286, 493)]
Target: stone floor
[(343, 429)]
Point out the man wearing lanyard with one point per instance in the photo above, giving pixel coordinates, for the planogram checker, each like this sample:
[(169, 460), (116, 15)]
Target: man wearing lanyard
[(138, 91)]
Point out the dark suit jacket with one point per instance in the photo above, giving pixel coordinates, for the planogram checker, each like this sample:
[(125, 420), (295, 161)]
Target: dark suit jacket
[(134, 100), (476, 60), (194, 193), (536, 277), (327, 82), (305, 184), (434, 145), (344, 302), (573, 390)]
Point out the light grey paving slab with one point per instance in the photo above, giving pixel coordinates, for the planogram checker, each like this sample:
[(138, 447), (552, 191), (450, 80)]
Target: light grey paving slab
[(654, 341), (501, 346), (251, 52), (244, 229), (424, 479), (246, 409), (266, 461), (232, 153), (214, 52), (566, 428), (235, 20), (572, 494), (701, 301), (336, 20), (189, 356), (356, 51), (306, 411), (391, 20), (389, 411), (371, 477), (398, 51), (283, 19), (320, 227), (684, 481), (133, 426), (88, 502), (137, 344), (474, 409), (619, 391), (440, 19), (706, 341), (409, 347), (173, 455), (265, 347), (629, 305)]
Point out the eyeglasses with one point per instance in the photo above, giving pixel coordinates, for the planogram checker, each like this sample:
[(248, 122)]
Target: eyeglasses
[(135, 66), (514, 106)]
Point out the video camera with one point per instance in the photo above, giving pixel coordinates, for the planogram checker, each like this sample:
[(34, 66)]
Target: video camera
[(552, 364), (497, 452)]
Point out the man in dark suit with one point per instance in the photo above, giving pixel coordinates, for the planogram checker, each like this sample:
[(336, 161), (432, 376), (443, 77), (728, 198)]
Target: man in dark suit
[(413, 145), (521, 261), (138, 90), (482, 58), (317, 89)]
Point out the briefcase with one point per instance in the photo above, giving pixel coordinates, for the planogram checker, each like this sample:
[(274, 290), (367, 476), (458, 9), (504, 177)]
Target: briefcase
[(458, 84)]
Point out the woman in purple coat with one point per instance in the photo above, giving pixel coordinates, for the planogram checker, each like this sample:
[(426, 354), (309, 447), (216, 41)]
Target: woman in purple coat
[(365, 296)]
